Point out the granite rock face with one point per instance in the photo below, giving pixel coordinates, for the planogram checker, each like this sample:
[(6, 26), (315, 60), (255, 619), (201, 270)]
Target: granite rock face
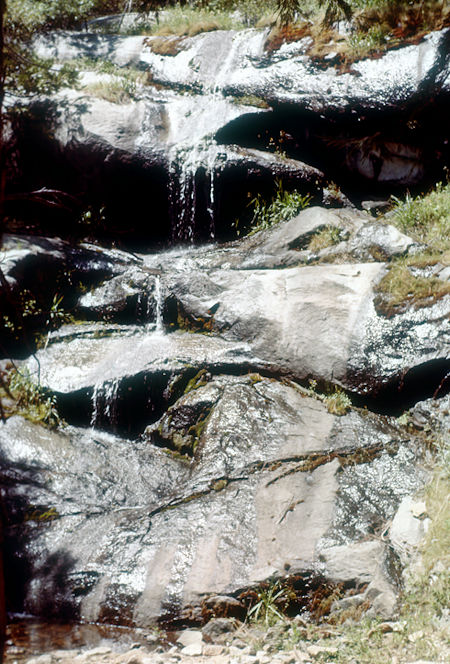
[(210, 447), (204, 131), (230, 409)]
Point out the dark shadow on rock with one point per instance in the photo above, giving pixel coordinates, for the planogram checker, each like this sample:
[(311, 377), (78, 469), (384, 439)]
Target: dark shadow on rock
[(425, 381), (22, 519)]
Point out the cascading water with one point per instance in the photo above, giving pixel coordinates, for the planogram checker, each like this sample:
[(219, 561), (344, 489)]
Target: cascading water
[(104, 404), (195, 157), (159, 301)]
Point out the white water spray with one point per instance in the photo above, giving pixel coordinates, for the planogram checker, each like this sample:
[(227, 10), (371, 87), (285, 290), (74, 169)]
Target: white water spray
[(104, 403)]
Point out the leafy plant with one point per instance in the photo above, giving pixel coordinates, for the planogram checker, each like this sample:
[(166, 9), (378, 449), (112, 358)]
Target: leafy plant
[(20, 395), (270, 600), (284, 206), (338, 403)]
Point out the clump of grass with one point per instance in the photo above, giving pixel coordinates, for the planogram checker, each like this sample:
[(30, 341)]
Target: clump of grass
[(268, 604), (337, 403), (327, 236), (284, 206), (427, 220), (117, 90), (123, 83), (401, 288), (171, 45), (191, 21), (20, 395)]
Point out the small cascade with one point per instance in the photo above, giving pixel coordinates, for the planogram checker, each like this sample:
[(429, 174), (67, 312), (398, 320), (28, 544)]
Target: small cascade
[(159, 324), (191, 123), (104, 404), (191, 194)]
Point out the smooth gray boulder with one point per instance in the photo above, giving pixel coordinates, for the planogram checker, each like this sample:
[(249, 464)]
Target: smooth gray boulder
[(155, 537)]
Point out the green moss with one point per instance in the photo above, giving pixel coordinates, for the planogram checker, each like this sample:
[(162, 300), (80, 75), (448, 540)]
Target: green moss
[(250, 100), (255, 378), (41, 514), (199, 380), (219, 485)]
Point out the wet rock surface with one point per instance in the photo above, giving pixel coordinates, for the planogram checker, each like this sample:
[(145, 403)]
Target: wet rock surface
[(230, 410), (210, 127), (194, 458)]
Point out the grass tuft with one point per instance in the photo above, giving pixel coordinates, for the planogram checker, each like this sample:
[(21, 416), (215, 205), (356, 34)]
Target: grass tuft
[(427, 220), (284, 206), (20, 395), (327, 236)]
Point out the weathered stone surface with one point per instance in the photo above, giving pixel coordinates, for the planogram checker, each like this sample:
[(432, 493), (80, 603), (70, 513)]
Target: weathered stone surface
[(156, 536), (199, 148), (236, 62), (276, 324), (129, 297), (407, 529)]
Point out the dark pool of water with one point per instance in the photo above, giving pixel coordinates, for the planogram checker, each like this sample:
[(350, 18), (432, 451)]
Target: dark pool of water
[(28, 637)]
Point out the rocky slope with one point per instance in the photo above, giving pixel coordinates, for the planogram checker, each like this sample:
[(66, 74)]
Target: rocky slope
[(198, 462)]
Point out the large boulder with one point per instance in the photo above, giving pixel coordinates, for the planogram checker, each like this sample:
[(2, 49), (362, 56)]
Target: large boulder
[(249, 116), (263, 496)]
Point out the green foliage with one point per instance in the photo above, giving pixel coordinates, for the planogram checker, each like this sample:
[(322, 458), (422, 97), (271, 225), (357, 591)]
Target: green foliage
[(270, 601), (117, 90), (20, 395), (325, 237), (284, 206), (426, 218), (362, 43), (29, 314), (191, 21), (25, 73), (337, 402)]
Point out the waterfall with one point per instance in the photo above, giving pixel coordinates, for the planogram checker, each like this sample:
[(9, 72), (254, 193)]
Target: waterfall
[(159, 324), (191, 191), (195, 156), (104, 403)]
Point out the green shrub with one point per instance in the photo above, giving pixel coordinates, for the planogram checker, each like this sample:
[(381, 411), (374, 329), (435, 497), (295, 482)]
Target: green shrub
[(20, 395), (284, 206), (426, 218)]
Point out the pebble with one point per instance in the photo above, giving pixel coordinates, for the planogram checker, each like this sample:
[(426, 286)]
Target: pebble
[(212, 649), (192, 650), (189, 637), (314, 650)]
